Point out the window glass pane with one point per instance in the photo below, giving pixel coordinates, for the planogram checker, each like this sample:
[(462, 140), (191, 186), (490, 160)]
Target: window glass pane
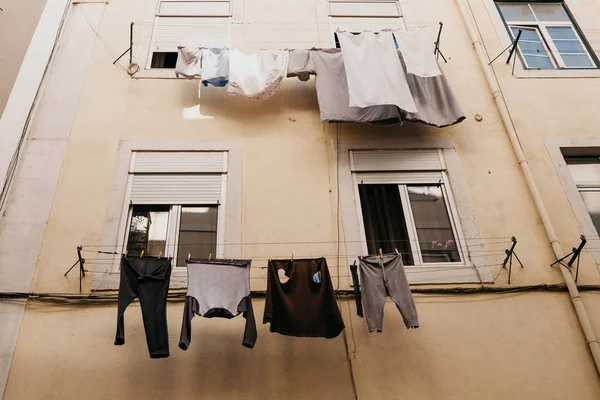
[(148, 230), (569, 46), (550, 12), (561, 32), (385, 225), (527, 34), (197, 233), (516, 12), (592, 202), (577, 61), (535, 48), (538, 62), (432, 222)]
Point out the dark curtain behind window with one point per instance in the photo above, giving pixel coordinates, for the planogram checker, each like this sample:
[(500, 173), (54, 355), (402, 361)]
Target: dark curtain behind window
[(385, 226)]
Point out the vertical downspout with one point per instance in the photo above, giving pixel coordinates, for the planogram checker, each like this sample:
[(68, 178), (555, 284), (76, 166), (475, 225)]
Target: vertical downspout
[(580, 309)]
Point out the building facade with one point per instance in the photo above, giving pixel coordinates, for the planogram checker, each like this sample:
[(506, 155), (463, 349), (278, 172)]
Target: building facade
[(110, 147)]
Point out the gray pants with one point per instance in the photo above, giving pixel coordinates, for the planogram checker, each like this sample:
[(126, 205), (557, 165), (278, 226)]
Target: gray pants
[(378, 277)]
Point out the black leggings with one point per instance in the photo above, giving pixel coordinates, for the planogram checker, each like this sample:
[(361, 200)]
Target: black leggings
[(146, 278)]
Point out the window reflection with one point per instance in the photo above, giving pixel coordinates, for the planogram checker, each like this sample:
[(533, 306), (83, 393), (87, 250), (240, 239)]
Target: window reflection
[(432, 223)]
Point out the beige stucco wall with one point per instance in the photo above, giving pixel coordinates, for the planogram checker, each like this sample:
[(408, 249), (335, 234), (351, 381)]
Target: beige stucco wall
[(468, 347), (476, 346), (18, 21)]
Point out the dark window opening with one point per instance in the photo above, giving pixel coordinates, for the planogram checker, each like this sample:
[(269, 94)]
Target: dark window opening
[(164, 60), (385, 224)]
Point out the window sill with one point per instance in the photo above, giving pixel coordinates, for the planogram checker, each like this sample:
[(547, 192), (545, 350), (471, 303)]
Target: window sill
[(521, 72), (448, 274), (156, 73)]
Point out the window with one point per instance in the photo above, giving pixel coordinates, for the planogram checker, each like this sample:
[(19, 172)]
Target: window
[(549, 38), (176, 204), (352, 15), (585, 171), (405, 204), (187, 23)]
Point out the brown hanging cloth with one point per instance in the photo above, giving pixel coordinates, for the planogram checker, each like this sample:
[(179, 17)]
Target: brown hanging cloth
[(305, 304)]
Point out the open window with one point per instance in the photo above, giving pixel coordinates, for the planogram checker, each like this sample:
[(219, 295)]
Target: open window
[(549, 38), (405, 204)]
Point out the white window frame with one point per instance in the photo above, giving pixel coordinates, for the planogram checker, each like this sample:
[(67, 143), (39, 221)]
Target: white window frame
[(116, 216), (444, 184), (540, 28), (173, 224), (557, 147), (227, 19), (475, 266)]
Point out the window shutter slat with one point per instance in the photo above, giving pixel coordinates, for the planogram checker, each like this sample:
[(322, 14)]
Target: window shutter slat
[(180, 162), (176, 189), (396, 160), (170, 32), (399, 178)]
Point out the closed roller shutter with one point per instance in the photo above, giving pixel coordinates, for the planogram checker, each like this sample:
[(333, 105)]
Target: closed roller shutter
[(177, 189), (405, 178), (365, 24), (396, 160), (178, 177), (170, 32), (183, 162)]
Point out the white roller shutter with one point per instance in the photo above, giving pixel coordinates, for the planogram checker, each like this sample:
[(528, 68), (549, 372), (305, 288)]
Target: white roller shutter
[(359, 24), (396, 160), (364, 8), (191, 8), (170, 32), (176, 189), (184, 162), (399, 178), (178, 178)]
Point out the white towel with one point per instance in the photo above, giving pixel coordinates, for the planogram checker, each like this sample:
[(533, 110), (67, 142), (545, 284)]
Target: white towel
[(417, 53), (374, 72), (256, 76), (188, 62), (215, 64)]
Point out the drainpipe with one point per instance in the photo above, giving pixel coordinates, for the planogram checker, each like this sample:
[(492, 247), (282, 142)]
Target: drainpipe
[(578, 304)]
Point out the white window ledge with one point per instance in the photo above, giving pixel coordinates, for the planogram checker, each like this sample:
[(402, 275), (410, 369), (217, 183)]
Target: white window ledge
[(155, 73), (521, 72)]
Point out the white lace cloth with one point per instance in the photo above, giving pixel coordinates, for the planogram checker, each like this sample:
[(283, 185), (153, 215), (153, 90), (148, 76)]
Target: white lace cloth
[(256, 76)]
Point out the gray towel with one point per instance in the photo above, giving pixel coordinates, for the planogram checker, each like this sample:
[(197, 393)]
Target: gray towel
[(332, 91), (436, 103)]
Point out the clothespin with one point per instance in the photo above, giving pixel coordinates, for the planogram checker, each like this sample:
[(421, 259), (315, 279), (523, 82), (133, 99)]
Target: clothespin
[(380, 253), (159, 254), (292, 257), (189, 256), (397, 252), (142, 254), (231, 259), (126, 252), (209, 256)]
